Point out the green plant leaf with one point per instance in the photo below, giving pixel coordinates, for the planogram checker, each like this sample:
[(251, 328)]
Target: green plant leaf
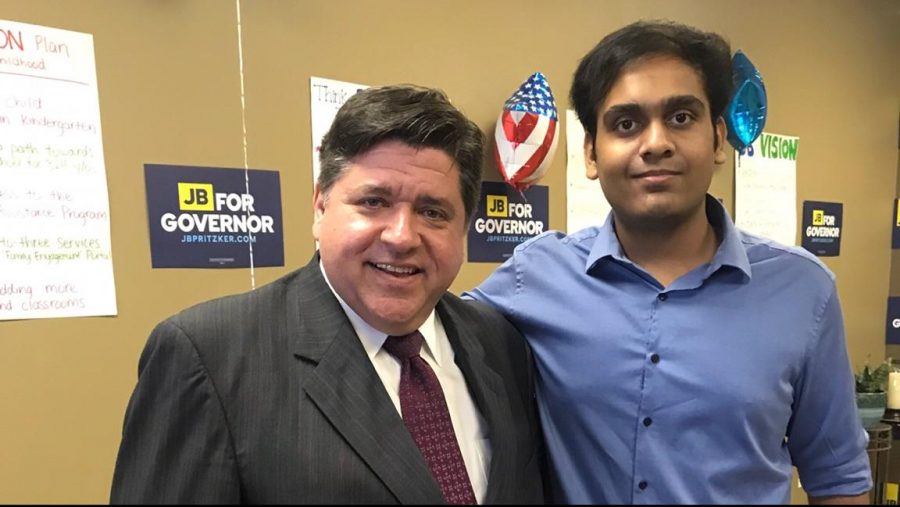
[(873, 381)]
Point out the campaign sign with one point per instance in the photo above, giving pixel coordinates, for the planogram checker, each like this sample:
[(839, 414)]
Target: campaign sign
[(204, 217), (822, 227), (504, 218), (893, 321)]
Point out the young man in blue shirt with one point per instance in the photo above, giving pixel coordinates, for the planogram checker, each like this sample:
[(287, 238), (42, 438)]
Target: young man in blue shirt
[(680, 360)]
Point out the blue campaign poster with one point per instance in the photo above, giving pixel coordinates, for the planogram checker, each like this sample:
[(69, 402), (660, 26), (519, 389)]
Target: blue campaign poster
[(504, 218), (821, 232), (204, 217), (893, 321)]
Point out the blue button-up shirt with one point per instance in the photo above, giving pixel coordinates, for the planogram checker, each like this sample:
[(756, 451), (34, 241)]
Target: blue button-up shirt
[(706, 391)]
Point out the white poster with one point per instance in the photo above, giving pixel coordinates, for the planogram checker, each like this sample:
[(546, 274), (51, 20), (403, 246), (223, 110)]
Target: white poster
[(765, 188), (55, 258), (585, 203), (326, 96)]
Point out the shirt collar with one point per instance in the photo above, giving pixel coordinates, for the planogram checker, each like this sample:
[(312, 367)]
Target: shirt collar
[(731, 250), (372, 339), (606, 245)]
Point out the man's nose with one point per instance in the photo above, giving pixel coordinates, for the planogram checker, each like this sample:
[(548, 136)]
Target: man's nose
[(401, 229), (657, 141)]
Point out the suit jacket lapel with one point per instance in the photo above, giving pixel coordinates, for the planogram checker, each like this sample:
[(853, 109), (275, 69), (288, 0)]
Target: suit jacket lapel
[(489, 392), (350, 393)]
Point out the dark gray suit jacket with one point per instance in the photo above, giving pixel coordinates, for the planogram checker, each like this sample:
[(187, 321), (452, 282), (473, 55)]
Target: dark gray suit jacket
[(269, 397)]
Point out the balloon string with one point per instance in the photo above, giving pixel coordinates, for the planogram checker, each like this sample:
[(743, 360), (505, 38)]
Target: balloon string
[(244, 131)]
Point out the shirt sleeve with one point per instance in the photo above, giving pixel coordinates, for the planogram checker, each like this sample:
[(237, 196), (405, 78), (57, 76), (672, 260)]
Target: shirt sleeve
[(825, 437), (176, 446), (499, 289)]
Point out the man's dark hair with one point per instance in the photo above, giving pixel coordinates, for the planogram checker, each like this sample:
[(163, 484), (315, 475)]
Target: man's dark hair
[(416, 116), (706, 52)]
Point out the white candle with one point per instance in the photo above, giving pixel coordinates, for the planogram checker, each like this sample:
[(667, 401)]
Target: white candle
[(893, 394)]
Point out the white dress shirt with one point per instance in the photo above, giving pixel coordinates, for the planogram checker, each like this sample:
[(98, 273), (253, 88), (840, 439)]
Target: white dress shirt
[(468, 424)]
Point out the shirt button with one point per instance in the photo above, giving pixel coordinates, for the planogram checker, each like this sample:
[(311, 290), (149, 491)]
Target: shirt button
[(662, 296), (654, 358), (648, 421), (642, 485)]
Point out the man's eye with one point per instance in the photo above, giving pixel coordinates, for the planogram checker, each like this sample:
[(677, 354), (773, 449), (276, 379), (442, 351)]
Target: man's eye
[(625, 125), (682, 118), (434, 214), (373, 202)]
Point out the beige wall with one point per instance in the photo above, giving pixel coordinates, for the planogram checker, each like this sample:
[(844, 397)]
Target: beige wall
[(169, 93)]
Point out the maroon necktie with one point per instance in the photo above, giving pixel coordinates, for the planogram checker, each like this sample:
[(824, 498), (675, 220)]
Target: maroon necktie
[(428, 420)]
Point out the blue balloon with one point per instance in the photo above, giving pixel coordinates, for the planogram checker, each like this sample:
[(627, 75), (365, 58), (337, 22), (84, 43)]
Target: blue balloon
[(745, 115)]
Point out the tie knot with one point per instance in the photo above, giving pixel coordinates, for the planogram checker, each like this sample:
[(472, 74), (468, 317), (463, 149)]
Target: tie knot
[(404, 347)]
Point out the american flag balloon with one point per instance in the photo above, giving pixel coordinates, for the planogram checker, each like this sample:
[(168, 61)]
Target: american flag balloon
[(526, 133)]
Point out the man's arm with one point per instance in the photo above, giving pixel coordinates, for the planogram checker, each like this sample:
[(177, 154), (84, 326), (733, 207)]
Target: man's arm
[(825, 438), (176, 447), (499, 289)]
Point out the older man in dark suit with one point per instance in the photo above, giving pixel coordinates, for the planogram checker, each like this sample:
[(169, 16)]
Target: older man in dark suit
[(358, 378)]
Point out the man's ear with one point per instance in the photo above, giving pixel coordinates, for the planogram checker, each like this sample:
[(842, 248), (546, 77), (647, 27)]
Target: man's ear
[(590, 158), (318, 210), (720, 141)]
